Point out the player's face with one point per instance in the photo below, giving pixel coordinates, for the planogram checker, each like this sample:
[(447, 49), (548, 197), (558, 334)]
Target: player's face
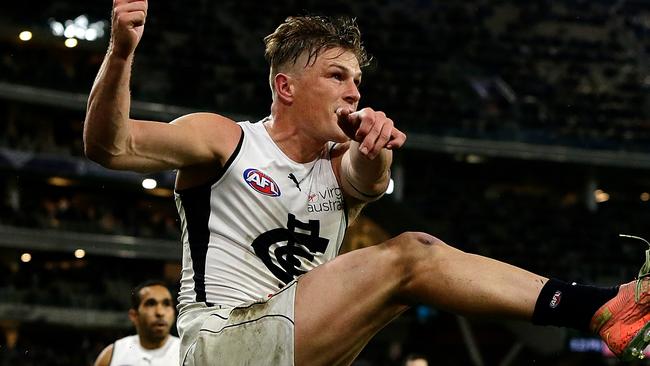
[(155, 315), (332, 82)]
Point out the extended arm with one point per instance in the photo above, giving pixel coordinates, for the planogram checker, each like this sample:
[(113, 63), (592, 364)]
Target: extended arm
[(116, 141), (107, 128)]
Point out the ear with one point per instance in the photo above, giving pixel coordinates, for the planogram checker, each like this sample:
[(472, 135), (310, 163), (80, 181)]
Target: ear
[(133, 316), (284, 87)]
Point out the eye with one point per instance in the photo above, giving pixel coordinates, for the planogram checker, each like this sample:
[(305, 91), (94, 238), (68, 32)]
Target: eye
[(150, 302), (338, 76)]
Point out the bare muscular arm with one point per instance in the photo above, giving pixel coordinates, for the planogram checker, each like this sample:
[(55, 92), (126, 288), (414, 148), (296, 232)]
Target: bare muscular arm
[(116, 141)]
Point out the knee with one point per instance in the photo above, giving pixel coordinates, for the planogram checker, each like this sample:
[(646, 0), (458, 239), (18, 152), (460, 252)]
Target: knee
[(409, 249), (417, 257), (418, 238), (410, 240)]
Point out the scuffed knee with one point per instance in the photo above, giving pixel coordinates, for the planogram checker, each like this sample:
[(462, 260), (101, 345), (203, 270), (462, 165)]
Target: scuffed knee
[(422, 238), (408, 249), (407, 240), (416, 256)]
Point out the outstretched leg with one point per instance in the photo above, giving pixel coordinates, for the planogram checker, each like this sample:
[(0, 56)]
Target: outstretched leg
[(339, 306), (342, 304)]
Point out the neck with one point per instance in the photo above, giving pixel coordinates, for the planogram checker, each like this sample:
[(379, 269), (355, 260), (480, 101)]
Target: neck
[(152, 343), (294, 142)]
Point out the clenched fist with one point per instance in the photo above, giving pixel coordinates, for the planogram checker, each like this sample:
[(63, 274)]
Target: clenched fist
[(127, 26)]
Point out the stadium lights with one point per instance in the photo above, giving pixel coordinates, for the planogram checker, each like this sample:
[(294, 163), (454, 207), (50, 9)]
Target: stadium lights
[(474, 159), (601, 196), (25, 257), (25, 36), (79, 253), (71, 42), (79, 28), (149, 183), (60, 182)]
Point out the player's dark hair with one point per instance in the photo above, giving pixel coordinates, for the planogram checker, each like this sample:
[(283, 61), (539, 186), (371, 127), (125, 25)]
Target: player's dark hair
[(136, 299), (313, 34)]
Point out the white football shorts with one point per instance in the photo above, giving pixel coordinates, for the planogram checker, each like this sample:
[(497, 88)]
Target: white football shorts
[(258, 333)]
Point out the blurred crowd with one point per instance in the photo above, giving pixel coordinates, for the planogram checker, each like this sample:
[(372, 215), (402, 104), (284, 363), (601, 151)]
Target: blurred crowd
[(562, 220), (34, 203), (553, 72), (60, 280), (569, 72)]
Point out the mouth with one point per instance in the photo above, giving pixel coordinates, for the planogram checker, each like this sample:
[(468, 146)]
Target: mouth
[(160, 325)]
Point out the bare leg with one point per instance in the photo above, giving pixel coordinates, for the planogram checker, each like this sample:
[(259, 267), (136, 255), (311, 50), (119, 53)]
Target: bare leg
[(342, 304)]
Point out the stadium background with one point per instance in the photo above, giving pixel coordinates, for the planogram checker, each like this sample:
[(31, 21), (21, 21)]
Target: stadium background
[(528, 127)]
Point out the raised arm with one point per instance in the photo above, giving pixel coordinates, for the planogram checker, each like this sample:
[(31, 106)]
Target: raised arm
[(363, 169), (116, 141)]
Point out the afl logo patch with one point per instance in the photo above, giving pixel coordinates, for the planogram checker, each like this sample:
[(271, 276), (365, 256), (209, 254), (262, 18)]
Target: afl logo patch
[(555, 300), (261, 182)]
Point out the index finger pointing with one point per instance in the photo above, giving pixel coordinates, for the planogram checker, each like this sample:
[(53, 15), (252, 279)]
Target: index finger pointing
[(397, 139)]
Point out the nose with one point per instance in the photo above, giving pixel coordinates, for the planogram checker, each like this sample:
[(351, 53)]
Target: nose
[(352, 94)]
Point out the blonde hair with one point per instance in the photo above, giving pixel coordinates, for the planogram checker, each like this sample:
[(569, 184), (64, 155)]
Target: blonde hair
[(312, 34)]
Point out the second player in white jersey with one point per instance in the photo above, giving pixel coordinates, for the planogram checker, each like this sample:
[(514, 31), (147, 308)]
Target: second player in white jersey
[(127, 351)]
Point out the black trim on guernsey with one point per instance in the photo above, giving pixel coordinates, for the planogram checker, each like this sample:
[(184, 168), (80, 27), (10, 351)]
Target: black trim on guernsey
[(196, 203), (221, 171), (197, 213)]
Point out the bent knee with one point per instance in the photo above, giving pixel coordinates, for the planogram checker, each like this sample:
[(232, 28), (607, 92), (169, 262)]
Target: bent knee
[(409, 248), (406, 241), (414, 255)]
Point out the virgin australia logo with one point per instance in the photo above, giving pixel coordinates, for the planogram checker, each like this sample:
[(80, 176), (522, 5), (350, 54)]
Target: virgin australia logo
[(325, 200)]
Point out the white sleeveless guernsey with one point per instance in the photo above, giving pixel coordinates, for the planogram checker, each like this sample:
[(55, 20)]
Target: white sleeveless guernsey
[(266, 220), (127, 351)]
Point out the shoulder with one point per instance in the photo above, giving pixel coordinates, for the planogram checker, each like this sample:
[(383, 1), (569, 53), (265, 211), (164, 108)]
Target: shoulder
[(215, 133), (210, 121), (104, 358), (202, 117)]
